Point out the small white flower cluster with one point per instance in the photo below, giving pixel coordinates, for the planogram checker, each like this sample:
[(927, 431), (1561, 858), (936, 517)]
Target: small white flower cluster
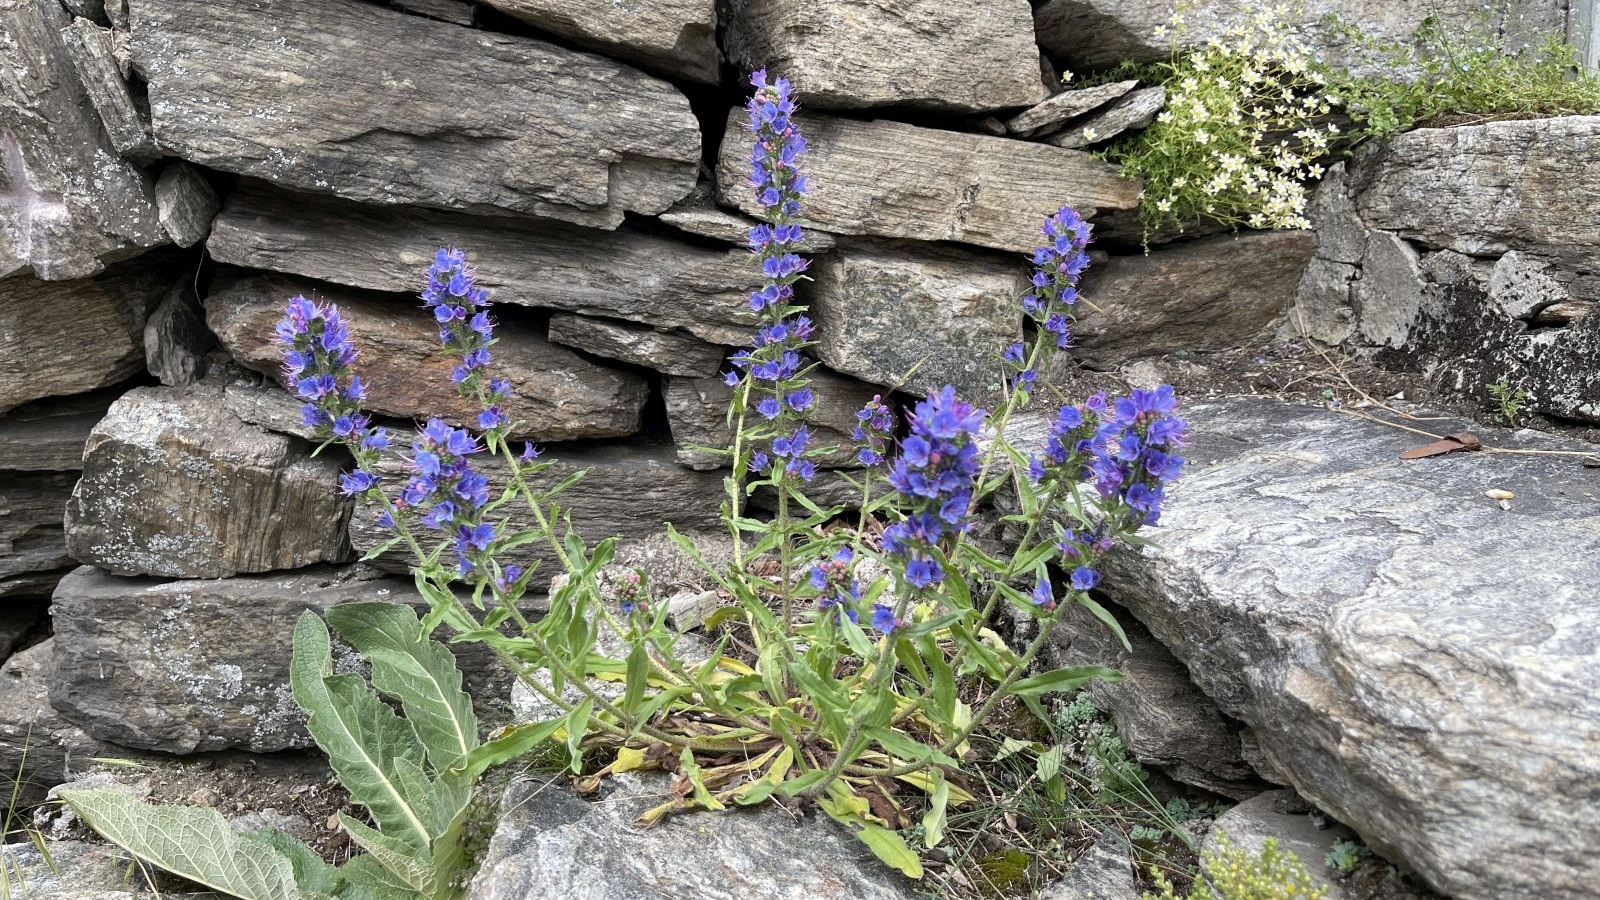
[(1246, 109)]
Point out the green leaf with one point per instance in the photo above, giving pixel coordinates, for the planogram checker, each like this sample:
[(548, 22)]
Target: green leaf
[(419, 672), (360, 734), (311, 872), (577, 725), (1105, 616), (909, 748), (934, 819), (1070, 679), (197, 844), (887, 845), (400, 858), (517, 741), (638, 677)]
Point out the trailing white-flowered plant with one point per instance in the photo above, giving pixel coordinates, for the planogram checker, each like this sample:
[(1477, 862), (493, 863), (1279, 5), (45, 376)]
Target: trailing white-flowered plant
[(1242, 132)]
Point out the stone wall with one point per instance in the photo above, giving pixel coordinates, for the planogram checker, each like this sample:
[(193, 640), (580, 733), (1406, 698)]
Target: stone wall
[(172, 170)]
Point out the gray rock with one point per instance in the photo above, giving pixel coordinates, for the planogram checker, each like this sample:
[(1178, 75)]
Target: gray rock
[(85, 870), (70, 337), (189, 666), (629, 490), (1093, 34), (697, 414), (176, 339), (33, 549), (1464, 339), (185, 203), (1103, 872), (1388, 297), (905, 316), (623, 275), (1485, 189), (1135, 111), (1208, 294), (1323, 307), (718, 224), (1522, 286), (175, 485), (1415, 660), (1162, 717), (666, 351), (545, 835), (263, 402), (1341, 235), (935, 185), (470, 120), (677, 38), (1053, 113), (89, 48), (69, 203), (1248, 826), (926, 54), (37, 746), (456, 12), (49, 436), (555, 394)]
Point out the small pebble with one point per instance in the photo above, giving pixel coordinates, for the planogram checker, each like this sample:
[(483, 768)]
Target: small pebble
[(1498, 494)]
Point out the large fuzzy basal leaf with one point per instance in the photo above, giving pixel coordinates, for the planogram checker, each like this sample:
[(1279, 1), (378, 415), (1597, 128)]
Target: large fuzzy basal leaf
[(419, 672), (361, 735), (196, 844)]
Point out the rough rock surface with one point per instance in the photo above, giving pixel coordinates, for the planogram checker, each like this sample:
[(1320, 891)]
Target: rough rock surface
[(1097, 33), (1466, 337), (104, 315), (927, 54), (1134, 111), (29, 725), (33, 550), (1163, 718), (697, 215), (697, 413), (68, 201), (934, 186), (86, 870), (49, 436), (918, 318), (89, 48), (677, 38), (555, 394), (1103, 872), (175, 485), (630, 490), (176, 339), (1281, 815), (1053, 113), (1485, 189), (666, 351), (623, 274), (185, 203), (189, 666), (469, 119), (1209, 294), (546, 836), (1415, 660)]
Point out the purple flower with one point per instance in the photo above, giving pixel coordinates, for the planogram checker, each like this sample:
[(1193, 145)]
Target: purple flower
[(357, 482), (874, 431), (883, 619), (1042, 595), (1084, 578)]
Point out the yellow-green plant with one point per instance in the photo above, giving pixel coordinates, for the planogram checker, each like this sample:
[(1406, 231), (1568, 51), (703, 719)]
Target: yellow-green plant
[(1456, 75), (1233, 873)]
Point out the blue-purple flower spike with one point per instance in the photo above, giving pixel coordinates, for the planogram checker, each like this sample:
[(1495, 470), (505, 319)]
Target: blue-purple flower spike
[(318, 356), (934, 476), (466, 330), (779, 392), (1058, 265)]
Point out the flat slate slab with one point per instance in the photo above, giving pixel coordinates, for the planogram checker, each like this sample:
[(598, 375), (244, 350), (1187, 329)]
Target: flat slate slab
[(374, 105), (1416, 660)]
